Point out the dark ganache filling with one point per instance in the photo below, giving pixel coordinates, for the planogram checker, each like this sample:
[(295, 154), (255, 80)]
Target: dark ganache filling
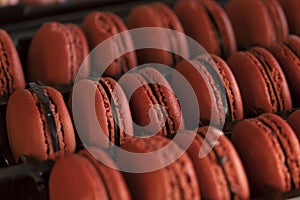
[(267, 67), (114, 113), (167, 115), (218, 32), (293, 49), (39, 91), (221, 161), (282, 148)]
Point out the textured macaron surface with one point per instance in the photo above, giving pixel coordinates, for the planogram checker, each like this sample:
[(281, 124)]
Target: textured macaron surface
[(57, 59), (287, 53), (202, 76), (99, 26), (220, 173), (108, 108), (175, 181), (261, 80), (29, 130), (269, 150), (153, 103), (234, 98), (11, 75)]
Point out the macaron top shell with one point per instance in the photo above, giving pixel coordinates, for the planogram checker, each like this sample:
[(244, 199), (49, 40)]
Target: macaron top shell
[(175, 181), (294, 122), (28, 129), (208, 24), (94, 180), (156, 15), (287, 53), (56, 60), (99, 26), (268, 142), (261, 81), (257, 22), (221, 174), (11, 74)]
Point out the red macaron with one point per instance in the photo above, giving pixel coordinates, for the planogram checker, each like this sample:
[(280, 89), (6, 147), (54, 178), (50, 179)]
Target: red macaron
[(153, 103), (99, 26), (220, 173), (257, 22), (111, 110), (261, 80), (175, 181), (287, 53), (207, 23), (291, 11), (157, 15), (11, 75), (39, 124), (82, 176), (270, 151), (294, 122), (56, 53), (217, 92)]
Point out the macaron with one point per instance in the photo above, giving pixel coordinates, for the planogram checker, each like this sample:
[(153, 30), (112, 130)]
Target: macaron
[(56, 53), (99, 26), (38, 123), (291, 11), (207, 23), (157, 15), (233, 95), (111, 108), (270, 151), (175, 181), (83, 176), (11, 74), (294, 122), (257, 22), (209, 77), (220, 173), (261, 80), (152, 101), (287, 54)]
